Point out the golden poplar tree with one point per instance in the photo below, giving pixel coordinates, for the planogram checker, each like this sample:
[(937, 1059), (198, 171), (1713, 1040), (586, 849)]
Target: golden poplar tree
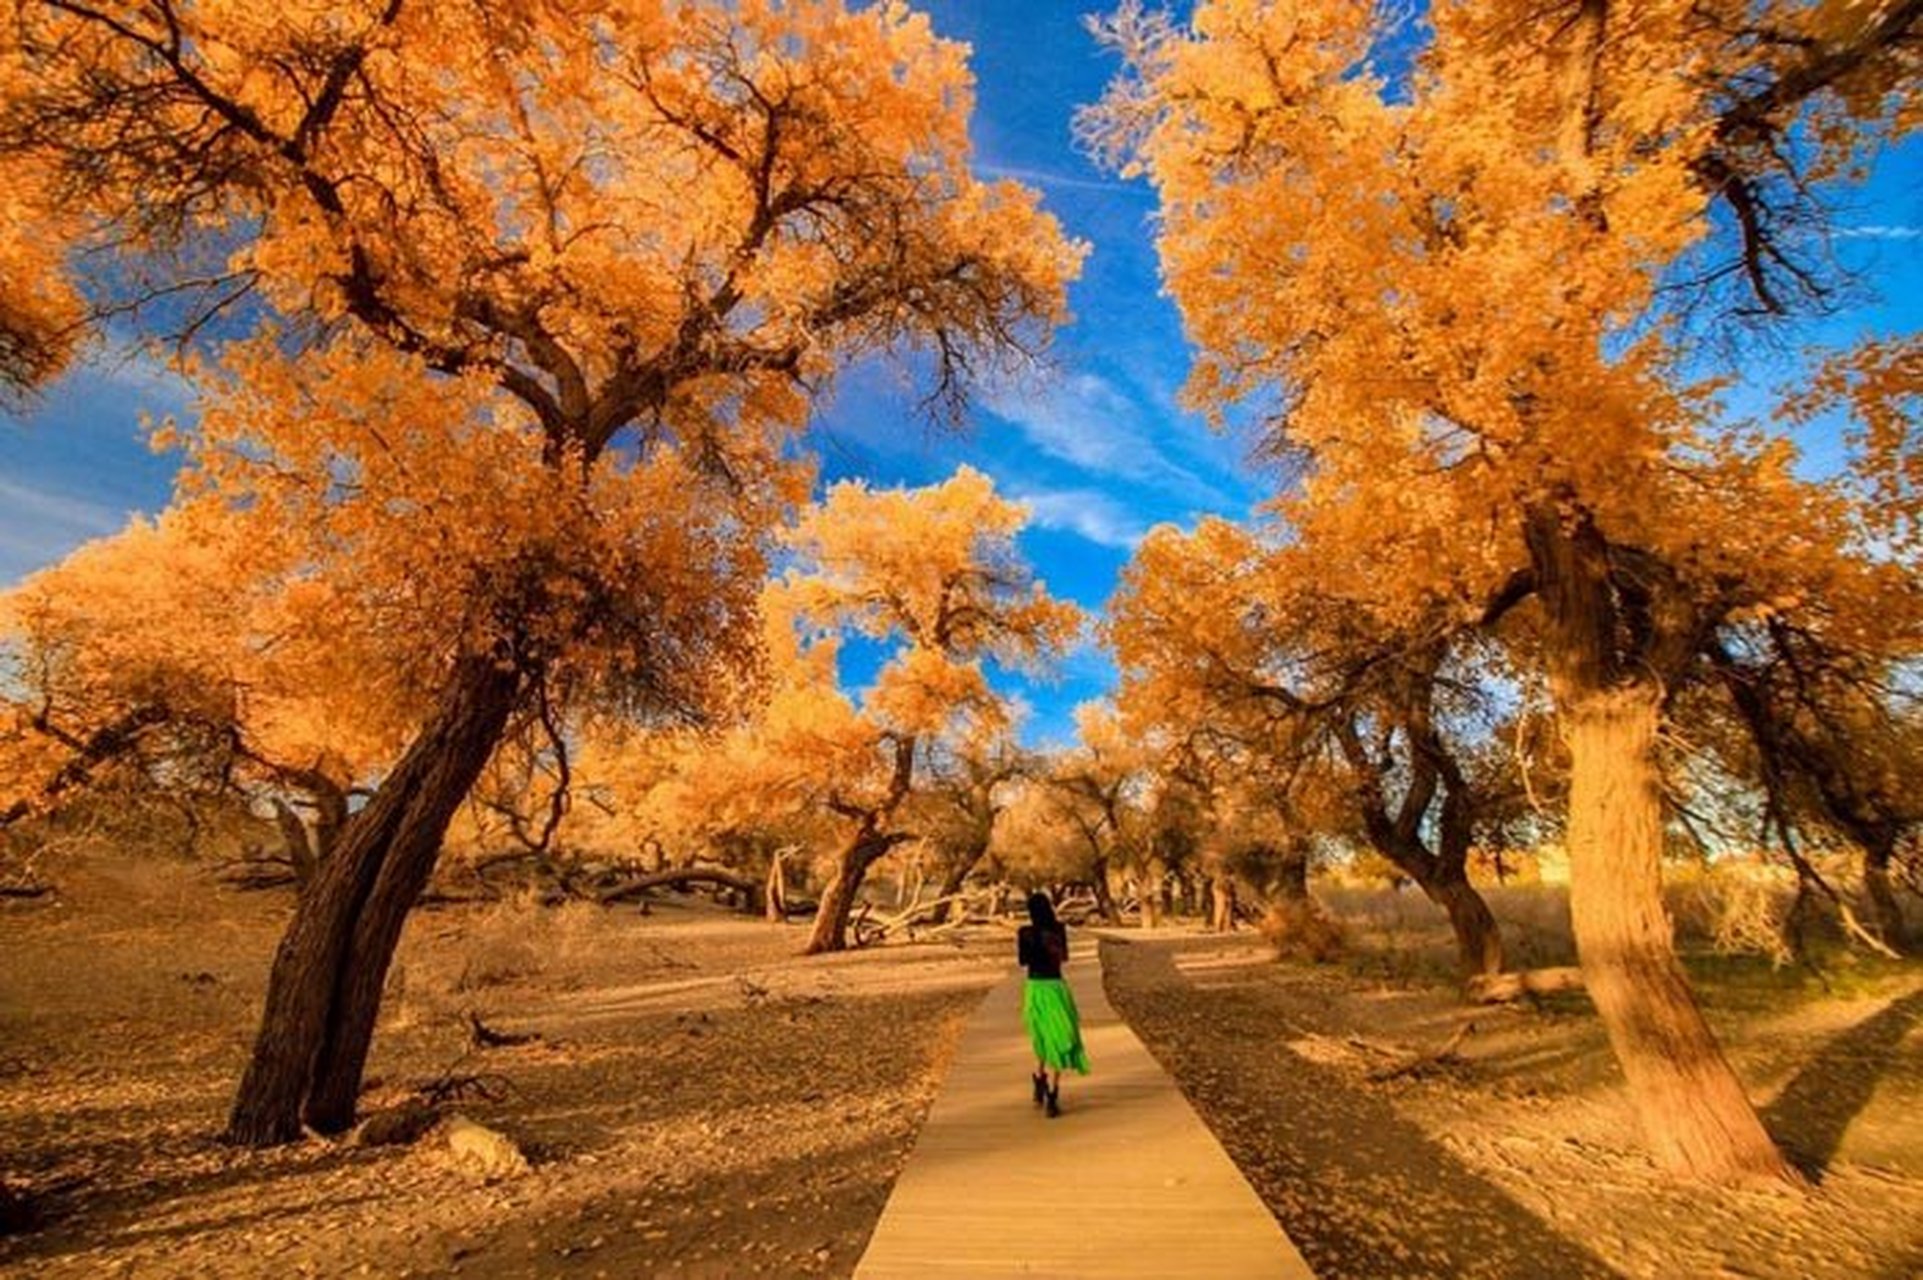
[(1235, 644), (577, 267), (1463, 298), (935, 574), (169, 651)]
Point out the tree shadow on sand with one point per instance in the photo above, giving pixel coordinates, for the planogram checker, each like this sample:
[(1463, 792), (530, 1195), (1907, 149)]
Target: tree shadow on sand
[(1814, 1110), (1360, 1190)]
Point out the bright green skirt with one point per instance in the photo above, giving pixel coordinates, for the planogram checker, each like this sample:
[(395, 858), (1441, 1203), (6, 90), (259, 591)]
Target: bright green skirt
[(1054, 1028)]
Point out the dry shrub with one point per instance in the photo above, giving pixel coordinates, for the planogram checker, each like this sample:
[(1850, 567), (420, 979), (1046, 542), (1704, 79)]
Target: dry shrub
[(571, 937), (1378, 908), (502, 944), (1738, 908), (1300, 930), (1534, 919)]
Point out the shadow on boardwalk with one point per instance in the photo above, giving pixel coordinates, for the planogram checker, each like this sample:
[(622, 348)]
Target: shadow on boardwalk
[(1360, 1190)]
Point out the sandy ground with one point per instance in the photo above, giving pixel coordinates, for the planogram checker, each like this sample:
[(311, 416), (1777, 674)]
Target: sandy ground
[(702, 1101), (1518, 1155)]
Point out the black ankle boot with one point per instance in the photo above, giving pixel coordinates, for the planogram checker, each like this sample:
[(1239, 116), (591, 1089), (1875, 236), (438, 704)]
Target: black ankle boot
[(1040, 1081), (1054, 1102)]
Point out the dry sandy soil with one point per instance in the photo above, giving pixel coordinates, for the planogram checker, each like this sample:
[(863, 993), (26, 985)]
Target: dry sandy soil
[(704, 1102), (1517, 1155)]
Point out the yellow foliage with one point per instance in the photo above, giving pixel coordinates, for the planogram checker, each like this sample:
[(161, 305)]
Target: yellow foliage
[(40, 313), (1449, 290), (933, 572), (622, 212), (548, 290)]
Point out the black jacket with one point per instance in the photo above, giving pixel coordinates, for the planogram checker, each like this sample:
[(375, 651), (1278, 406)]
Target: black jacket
[(1044, 951)]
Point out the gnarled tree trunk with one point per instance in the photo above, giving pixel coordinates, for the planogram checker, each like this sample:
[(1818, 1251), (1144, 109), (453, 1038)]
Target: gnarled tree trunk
[(293, 834), (952, 881), (1104, 900), (1478, 938), (1222, 904), (1153, 894), (1695, 1115), (830, 932), (324, 989), (1441, 872), (1607, 643), (774, 900), (1292, 876), (1887, 911)]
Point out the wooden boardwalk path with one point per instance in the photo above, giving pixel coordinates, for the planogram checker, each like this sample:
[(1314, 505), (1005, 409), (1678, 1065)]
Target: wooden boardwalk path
[(1127, 1182)]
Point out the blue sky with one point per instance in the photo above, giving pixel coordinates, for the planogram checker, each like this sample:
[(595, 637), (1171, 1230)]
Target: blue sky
[(1100, 451)]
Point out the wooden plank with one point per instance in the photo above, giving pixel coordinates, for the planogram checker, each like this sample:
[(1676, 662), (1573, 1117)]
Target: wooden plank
[(1126, 1182)]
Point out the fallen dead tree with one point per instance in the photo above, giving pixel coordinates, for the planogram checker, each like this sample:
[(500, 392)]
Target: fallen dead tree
[(482, 1036), (553, 879), (683, 878), (1500, 988), (866, 930), (1423, 1063), (257, 870)]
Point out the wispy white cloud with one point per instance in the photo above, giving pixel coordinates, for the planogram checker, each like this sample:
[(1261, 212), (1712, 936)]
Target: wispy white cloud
[(1089, 513), (1084, 420), (39, 526), (1050, 178), (1874, 232)]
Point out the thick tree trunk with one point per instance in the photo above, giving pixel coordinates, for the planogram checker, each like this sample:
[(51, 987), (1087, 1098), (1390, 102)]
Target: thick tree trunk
[(1292, 878), (1104, 900), (1222, 905), (461, 740), (330, 816), (830, 932), (300, 986), (953, 880), (1887, 910), (1437, 864), (1149, 894), (775, 895), (1696, 1118), (908, 887), (1478, 939), (293, 834), (1613, 631), (324, 989)]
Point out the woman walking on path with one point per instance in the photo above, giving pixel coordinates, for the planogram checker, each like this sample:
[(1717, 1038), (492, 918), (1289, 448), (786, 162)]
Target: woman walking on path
[(1048, 1006)]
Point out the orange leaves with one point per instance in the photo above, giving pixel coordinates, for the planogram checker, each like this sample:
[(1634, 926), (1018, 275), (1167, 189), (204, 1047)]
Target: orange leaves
[(1880, 386), (936, 566), (549, 288), (39, 310), (441, 522), (936, 573), (629, 216), (165, 625), (1445, 292), (931, 574), (924, 693)]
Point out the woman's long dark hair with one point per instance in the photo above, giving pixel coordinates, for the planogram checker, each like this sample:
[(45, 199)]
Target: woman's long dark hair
[(1041, 912)]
